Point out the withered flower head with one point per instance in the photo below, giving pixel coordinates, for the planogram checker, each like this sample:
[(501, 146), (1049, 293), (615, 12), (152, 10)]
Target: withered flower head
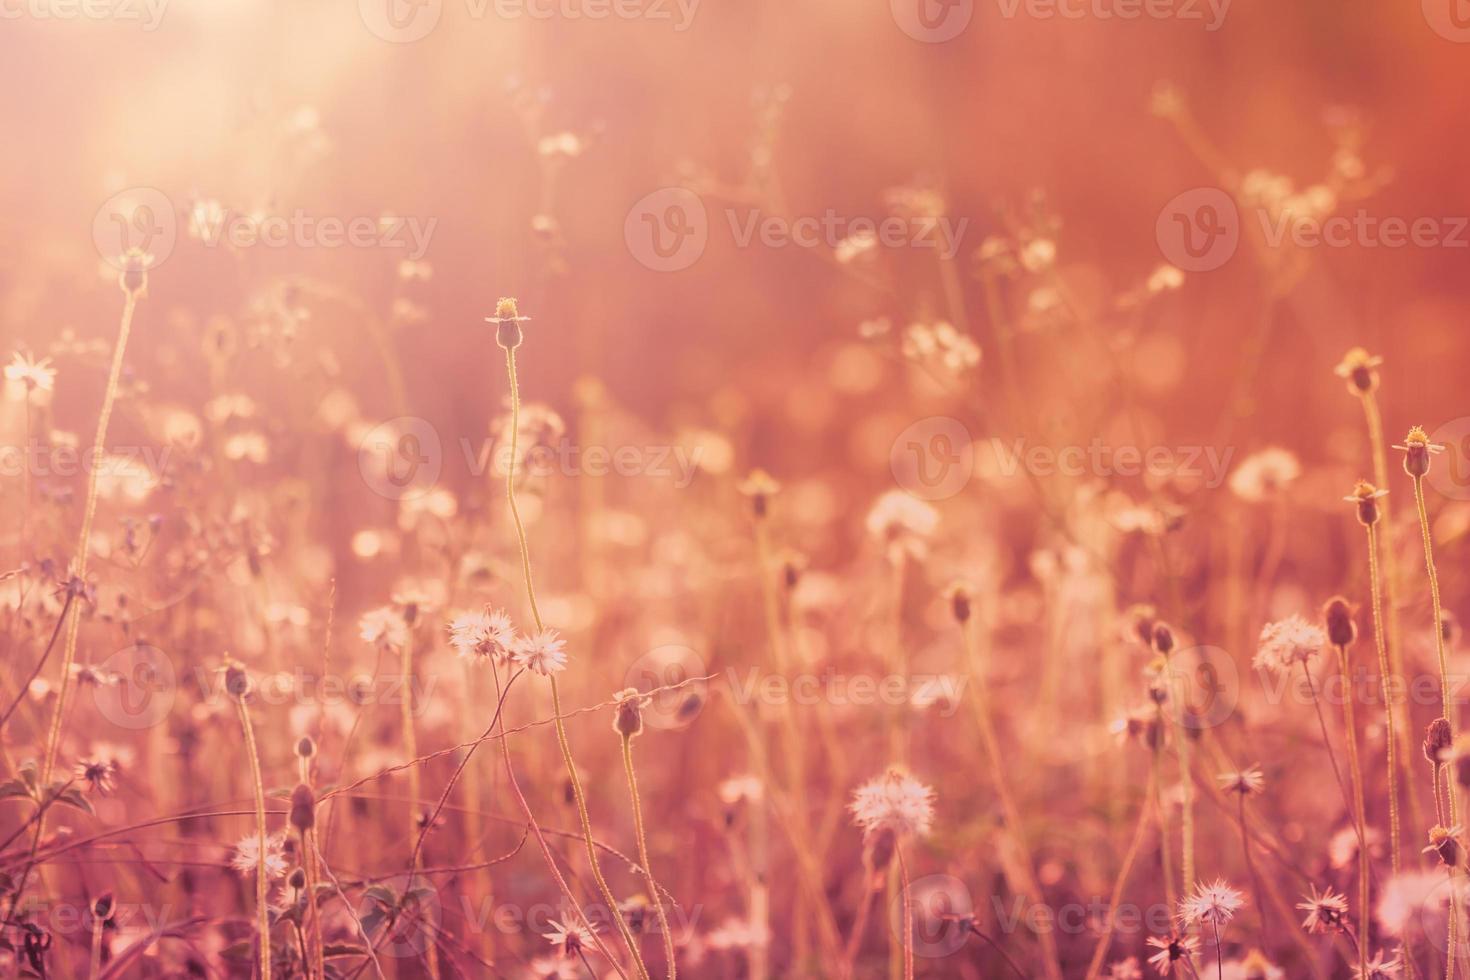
[(1163, 638), (960, 601), (628, 713), (1366, 495), (1360, 370), (507, 320), (1417, 451), (303, 808), (1444, 842), (1437, 738), (1338, 615), (760, 488)]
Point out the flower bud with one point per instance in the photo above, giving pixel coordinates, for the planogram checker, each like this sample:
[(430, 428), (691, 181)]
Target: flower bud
[(303, 808), (1163, 638), (507, 323), (628, 715), (1338, 616), (1437, 738)]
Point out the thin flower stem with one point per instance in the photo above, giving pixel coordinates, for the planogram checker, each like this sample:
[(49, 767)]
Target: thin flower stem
[(1130, 857), (859, 926), (908, 914), (1359, 811), (1219, 952), (84, 537), (1158, 787), (1387, 679), (1444, 668), (561, 729), (1394, 637), (990, 742), (262, 883), (1250, 863), (647, 867), (1347, 800)]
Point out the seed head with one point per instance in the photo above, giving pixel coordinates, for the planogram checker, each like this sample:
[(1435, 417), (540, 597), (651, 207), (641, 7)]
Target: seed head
[(1437, 738), (237, 682), (1338, 615), (305, 747), (1163, 638), (1444, 842), (297, 880), (303, 808)]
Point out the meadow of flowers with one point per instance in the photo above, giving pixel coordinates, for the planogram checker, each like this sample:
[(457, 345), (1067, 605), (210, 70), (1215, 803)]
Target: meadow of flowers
[(651, 489)]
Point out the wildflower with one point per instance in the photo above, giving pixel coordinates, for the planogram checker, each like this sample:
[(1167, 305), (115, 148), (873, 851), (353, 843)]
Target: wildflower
[(961, 599), (97, 774), (1360, 370), (1216, 903), (486, 634), (1263, 474), (1445, 843), (570, 938), (1125, 970), (1326, 911), (1285, 643), (35, 375), (760, 488), (628, 712), (134, 277), (1173, 951), (898, 517), (507, 320), (1247, 782), (1366, 495), (1417, 452), (894, 801), (247, 855), (543, 652), (1380, 968), (1165, 277), (1413, 900), (383, 626)]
